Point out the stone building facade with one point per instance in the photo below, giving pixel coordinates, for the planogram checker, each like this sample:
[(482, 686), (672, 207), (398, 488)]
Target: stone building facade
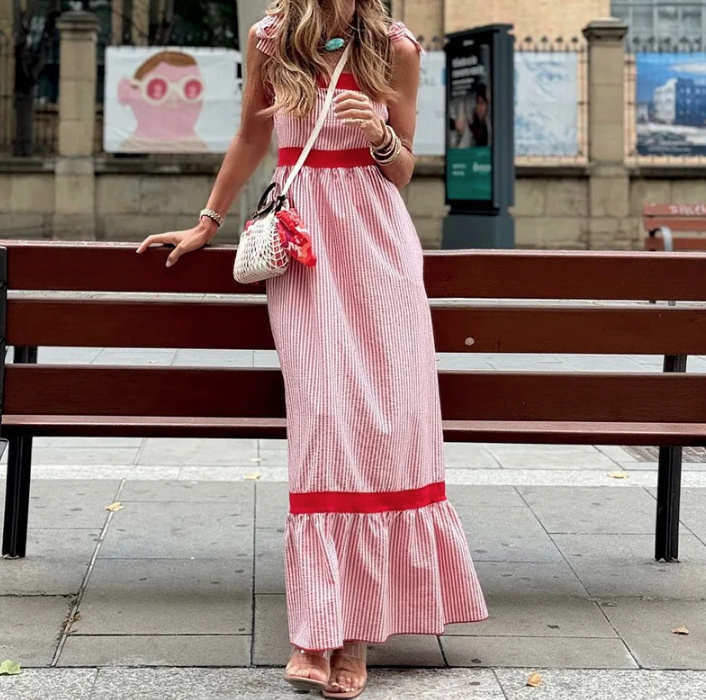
[(592, 204)]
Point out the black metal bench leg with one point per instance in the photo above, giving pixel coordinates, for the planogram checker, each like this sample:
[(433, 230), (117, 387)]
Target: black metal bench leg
[(19, 473), (668, 501), (669, 486)]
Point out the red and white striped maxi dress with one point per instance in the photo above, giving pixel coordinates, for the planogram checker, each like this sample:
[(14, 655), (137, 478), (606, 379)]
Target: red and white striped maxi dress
[(372, 546)]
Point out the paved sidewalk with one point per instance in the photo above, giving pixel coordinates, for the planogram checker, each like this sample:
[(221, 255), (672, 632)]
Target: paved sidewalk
[(189, 574), (180, 594)]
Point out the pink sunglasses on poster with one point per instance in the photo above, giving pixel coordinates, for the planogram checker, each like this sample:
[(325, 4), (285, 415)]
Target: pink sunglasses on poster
[(157, 89)]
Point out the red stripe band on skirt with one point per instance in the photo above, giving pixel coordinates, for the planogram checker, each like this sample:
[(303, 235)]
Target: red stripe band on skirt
[(346, 502), (350, 158)]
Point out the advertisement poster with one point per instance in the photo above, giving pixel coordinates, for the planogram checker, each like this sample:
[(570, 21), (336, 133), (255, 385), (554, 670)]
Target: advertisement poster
[(671, 104), (171, 100), (431, 116), (469, 169), (546, 104)]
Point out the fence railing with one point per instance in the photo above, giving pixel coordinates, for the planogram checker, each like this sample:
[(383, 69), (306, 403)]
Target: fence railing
[(665, 102), (29, 115), (551, 101)]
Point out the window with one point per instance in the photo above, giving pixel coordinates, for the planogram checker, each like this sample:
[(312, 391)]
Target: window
[(662, 21)]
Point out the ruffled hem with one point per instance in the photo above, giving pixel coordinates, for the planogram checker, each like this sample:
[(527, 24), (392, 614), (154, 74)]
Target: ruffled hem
[(368, 576)]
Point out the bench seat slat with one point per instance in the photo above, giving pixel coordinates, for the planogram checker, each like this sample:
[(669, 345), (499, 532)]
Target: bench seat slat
[(651, 330), (536, 432)]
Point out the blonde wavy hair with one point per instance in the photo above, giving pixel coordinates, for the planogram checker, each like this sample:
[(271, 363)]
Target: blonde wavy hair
[(298, 58)]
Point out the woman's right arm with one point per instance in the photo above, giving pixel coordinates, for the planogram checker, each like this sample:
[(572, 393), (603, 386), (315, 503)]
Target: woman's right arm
[(247, 149)]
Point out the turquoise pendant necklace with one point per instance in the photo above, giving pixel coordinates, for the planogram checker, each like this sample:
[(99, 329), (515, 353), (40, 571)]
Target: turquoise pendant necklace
[(335, 44)]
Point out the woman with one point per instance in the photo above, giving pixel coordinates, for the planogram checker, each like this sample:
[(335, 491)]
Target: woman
[(372, 546)]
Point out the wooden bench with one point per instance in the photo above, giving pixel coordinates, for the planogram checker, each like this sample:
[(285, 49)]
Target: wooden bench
[(612, 408), (661, 220)]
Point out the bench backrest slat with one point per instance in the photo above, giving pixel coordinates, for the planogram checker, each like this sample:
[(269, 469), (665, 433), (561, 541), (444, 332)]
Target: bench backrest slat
[(480, 274), (650, 330), (510, 396)]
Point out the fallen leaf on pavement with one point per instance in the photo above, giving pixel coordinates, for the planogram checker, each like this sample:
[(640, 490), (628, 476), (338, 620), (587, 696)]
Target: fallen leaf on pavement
[(681, 630), (252, 477), (9, 668), (114, 506), (534, 681), (256, 459), (618, 475)]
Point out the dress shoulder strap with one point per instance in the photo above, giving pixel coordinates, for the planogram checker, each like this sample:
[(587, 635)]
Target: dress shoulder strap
[(398, 31), (266, 32)]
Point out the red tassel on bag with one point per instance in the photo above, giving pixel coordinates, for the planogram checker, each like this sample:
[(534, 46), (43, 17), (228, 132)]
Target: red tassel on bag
[(294, 237)]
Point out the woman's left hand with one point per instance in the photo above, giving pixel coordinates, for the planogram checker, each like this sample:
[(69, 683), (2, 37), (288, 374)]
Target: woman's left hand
[(357, 109)]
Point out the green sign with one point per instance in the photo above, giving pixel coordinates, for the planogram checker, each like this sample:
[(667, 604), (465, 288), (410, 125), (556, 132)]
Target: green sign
[(469, 173), (469, 137)]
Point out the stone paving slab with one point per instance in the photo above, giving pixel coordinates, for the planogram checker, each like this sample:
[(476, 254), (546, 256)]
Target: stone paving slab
[(693, 511), (538, 615), (604, 685), (530, 579), (646, 626), (56, 563), (267, 684), (592, 510), (469, 455), (50, 684), (191, 451), (213, 358), (156, 650), (507, 534), (552, 652), (68, 503), (167, 596), (179, 530), (269, 561), (468, 497), (99, 442), (619, 566), (135, 356), (571, 457), (385, 684), (31, 628), (271, 504), (231, 493), (78, 455), (102, 471)]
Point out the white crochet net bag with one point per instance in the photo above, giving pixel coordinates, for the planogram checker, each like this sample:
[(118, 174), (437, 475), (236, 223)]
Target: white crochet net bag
[(260, 254)]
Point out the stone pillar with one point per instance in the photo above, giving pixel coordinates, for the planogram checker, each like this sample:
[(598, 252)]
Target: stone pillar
[(609, 225), (75, 173), (140, 22), (6, 18)]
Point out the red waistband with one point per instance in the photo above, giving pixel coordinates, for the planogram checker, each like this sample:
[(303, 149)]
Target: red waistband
[(351, 158), (345, 502)]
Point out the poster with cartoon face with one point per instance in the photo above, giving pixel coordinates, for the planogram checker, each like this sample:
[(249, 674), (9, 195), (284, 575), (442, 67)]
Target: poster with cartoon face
[(171, 100)]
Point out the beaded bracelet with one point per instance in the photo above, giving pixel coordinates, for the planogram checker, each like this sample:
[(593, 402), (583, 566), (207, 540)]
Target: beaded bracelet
[(388, 153), (213, 215)]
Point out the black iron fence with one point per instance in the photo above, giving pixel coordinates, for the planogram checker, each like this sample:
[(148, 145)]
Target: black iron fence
[(665, 111), (29, 114)]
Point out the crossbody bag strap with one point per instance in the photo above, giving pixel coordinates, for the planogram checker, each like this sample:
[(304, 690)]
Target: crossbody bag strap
[(320, 122)]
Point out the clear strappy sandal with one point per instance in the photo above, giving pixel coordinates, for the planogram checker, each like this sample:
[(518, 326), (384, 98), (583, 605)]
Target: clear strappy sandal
[(319, 660), (356, 652)]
